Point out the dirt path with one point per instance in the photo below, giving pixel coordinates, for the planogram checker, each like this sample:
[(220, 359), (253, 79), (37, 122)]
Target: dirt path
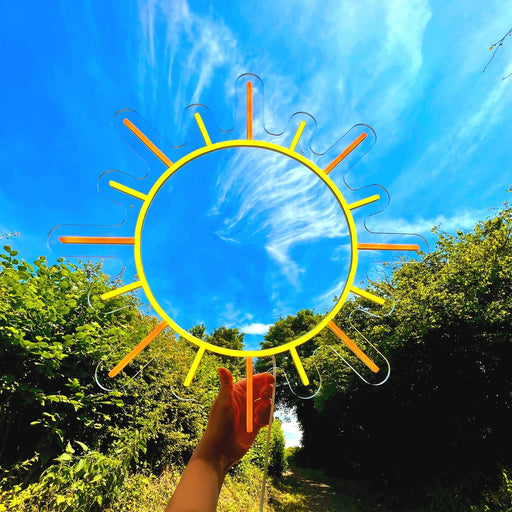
[(314, 492)]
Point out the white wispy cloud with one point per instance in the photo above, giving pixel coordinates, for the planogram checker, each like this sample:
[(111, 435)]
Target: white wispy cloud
[(400, 58), (256, 328), (371, 68), (461, 220), (184, 50), (265, 192), (457, 144), (180, 52), (375, 56), (234, 316)]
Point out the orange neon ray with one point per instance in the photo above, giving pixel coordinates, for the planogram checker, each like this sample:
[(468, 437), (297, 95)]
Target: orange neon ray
[(138, 349), (249, 110), (353, 145), (352, 346), (388, 247), (113, 240), (158, 152), (249, 394)]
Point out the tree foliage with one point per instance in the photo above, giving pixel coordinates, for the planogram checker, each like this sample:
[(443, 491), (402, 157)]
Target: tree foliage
[(51, 340), (444, 415), (66, 444)]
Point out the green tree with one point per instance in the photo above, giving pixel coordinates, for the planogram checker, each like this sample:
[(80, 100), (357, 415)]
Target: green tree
[(284, 331), (232, 338), (276, 451), (227, 337), (65, 443), (51, 341), (443, 416)]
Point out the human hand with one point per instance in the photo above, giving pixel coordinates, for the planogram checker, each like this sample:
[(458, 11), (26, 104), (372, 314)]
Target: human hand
[(226, 438), (225, 441)]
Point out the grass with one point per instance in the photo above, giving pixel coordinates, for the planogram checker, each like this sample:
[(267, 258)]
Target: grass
[(309, 490), (300, 490), (141, 493)]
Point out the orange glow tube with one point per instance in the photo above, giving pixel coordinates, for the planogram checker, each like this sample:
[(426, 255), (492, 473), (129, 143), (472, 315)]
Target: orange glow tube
[(157, 152), (138, 349), (352, 346), (388, 247), (353, 145), (249, 110), (114, 240), (249, 394)]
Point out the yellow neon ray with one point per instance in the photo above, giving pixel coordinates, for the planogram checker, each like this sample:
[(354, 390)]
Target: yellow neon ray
[(297, 135), (127, 190), (120, 291), (300, 368), (193, 368), (388, 247), (102, 240), (363, 202), (353, 145), (156, 151), (202, 129), (367, 295), (138, 349), (353, 347)]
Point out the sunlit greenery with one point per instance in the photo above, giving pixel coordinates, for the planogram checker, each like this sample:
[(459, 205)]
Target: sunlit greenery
[(435, 437), (437, 434), (66, 444)]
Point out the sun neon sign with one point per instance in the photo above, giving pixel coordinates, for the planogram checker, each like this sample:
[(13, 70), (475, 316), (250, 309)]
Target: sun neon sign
[(211, 147)]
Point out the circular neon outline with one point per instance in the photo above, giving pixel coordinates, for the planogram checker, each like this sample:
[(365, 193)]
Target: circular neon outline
[(209, 148)]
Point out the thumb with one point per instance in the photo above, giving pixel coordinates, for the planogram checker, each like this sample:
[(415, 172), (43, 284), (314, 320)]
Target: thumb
[(226, 380)]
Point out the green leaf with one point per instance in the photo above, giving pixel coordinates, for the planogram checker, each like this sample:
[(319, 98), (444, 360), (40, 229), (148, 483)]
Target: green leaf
[(64, 457), (84, 447), (80, 465)]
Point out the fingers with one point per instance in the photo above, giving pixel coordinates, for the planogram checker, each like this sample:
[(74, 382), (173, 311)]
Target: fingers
[(259, 381), (262, 384), (266, 378), (262, 413), (226, 380), (262, 393), (263, 387), (266, 393)]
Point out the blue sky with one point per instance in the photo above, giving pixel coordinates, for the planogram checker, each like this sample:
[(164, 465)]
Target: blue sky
[(263, 244)]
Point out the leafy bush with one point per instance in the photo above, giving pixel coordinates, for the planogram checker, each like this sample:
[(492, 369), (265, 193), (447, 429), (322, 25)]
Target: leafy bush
[(256, 453), (441, 422), (86, 482), (66, 444), (53, 335), (51, 340)]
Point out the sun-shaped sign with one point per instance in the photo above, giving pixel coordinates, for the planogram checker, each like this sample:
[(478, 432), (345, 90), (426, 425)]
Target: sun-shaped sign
[(210, 147)]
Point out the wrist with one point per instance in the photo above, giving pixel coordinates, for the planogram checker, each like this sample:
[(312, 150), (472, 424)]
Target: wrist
[(210, 454)]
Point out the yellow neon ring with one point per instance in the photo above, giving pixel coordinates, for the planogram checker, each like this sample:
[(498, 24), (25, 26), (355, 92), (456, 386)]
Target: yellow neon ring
[(254, 144)]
